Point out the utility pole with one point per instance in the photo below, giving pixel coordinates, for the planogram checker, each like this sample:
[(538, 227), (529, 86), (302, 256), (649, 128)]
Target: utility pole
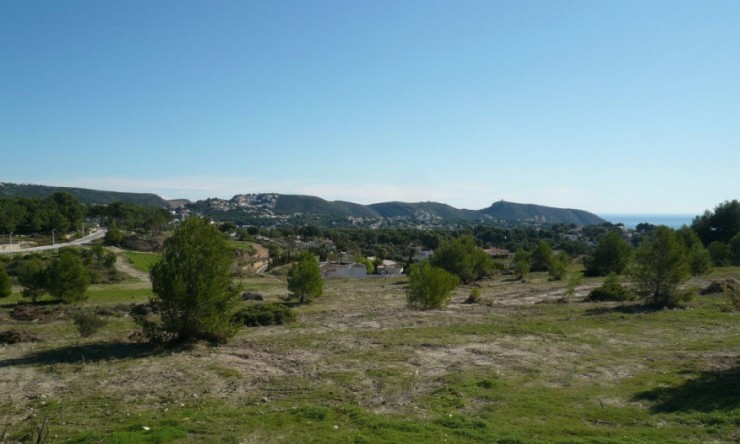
[(53, 241)]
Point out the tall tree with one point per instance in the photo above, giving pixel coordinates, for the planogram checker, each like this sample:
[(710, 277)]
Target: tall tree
[(660, 267), (719, 225), (699, 259), (192, 284), (304, 278)]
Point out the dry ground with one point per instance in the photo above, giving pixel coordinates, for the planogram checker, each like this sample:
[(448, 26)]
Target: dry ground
[(360, 346)]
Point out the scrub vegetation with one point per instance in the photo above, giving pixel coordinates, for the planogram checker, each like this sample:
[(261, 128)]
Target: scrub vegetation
[(466, 348), (358, 365)]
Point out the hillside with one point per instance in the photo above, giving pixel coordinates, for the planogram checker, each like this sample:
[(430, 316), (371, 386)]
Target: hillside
[(84, 195), (289, 208), (516, 211)]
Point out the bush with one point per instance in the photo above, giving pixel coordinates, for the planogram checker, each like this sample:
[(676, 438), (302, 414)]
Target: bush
[(14, 336), (474, 297), (558, 266), (733, 293), (521, 264), (463, 258), (304, 278), (429, 287), (88, 324), (264, 314), (610, 290), (6, 287)]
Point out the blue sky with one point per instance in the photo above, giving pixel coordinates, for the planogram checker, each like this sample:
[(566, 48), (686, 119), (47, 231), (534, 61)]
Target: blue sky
[(609, 106)]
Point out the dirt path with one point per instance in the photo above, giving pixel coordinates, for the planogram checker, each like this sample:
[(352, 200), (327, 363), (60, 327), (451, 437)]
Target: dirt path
[(124, 266)]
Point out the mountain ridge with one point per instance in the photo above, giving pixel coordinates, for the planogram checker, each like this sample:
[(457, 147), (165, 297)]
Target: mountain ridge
[(286, 204), (271, 204), (84, 195)]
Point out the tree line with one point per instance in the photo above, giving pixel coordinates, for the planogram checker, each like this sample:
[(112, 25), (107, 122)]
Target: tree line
[(63, 213)]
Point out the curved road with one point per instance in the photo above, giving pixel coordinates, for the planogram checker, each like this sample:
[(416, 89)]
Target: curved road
[(81, 241)]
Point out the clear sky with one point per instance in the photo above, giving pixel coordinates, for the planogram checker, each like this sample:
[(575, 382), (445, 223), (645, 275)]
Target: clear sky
[(609, 106)]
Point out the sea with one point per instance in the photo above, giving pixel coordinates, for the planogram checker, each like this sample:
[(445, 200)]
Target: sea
[(631, 220)]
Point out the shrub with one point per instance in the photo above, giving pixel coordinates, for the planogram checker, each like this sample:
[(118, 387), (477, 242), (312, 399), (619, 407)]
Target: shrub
[(610, 290), (474, 297), (463, 258), (720, 253), (574, 280), (264, 314), (521, 264), (304, 278), (660, 267), (88, 323), (14, 336), (429, 287), (558, 266), (6, 287), (733, 293)]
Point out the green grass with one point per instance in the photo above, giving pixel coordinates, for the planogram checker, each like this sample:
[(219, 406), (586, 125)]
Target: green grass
[(116, 294), (360, 367), (242, 245), (141, 261)]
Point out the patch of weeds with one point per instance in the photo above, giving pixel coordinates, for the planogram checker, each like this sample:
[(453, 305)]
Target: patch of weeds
[(224, 372), (312, 413), (15, 336), (610, 290), (473, 297), (265, 314), (88, 324)]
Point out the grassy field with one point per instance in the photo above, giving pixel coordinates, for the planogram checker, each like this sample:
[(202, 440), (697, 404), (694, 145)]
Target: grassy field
[(141, 261), (360, 367)]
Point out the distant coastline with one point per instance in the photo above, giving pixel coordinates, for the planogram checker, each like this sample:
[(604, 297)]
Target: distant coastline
[(631, 220)]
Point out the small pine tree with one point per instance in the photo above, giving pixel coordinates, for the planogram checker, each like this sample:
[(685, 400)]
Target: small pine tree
[(304, 278), (521, 264), (558, 266), (32, 276), (660, 266), (192, 285), (429, 287), (67, 278), (575, 280), (610, 290)]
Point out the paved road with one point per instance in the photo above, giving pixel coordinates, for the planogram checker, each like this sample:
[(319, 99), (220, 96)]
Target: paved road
[(81, 241)]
